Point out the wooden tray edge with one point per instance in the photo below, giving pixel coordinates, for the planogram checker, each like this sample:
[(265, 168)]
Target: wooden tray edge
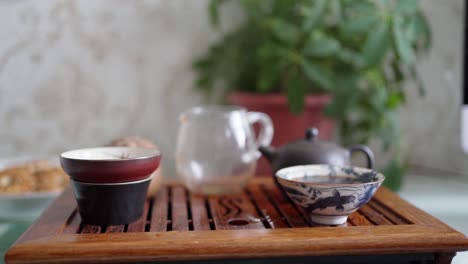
[(321, 241)]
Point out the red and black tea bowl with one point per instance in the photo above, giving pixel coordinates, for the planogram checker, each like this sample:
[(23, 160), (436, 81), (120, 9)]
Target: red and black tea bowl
[(110, 183)]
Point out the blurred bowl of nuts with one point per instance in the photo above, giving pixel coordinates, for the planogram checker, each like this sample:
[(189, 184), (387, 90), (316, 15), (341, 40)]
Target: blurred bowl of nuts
[(28, 185)]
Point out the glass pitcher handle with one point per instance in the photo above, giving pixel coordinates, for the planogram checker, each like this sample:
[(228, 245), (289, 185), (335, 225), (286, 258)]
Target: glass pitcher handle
[(265, 135)]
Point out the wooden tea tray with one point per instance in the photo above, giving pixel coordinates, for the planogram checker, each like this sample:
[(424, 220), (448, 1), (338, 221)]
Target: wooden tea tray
[(258, 225)]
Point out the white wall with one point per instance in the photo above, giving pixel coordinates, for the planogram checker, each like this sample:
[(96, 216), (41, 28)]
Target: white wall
[(79, 73), (431, 124)]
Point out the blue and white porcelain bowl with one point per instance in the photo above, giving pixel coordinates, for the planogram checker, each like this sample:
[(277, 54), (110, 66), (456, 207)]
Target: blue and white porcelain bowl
[(328, 193)]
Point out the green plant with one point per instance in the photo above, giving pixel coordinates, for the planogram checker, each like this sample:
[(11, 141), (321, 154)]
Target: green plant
[(360, 51)]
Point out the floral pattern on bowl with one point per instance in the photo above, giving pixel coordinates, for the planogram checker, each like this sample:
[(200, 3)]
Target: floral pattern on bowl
[(329, 193)]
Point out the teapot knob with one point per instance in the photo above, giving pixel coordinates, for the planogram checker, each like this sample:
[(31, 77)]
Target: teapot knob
[(312, 133)]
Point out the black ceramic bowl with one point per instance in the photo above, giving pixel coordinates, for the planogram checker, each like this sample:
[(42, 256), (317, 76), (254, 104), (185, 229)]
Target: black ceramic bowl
[(111, 203)]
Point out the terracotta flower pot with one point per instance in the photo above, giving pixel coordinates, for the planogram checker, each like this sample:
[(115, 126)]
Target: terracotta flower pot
[(288, 127)]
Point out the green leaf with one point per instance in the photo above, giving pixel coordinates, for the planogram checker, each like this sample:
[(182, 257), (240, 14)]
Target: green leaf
[(204, 82), (268, 76), (395, 98), (375, 77), (402, 44), (359, 4), (358, 24), (351, 57), (294, 57), (378, 100), (202, 64), (313, 15), (376, 44), (336, 10), (284, 30), (398, 75), (296, 90), (407, 7), (382, 3), (279, 8), (213, 10), (252, 8), (319, 75), (422, 30), (345, 81), (411, 30), (335, 109), (267, 51), (389, 129), (270, 62), (394, 173), (343, 102), (321, 45), (266, 81)]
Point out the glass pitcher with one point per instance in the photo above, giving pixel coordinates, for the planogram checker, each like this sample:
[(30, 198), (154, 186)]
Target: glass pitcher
[(217, 150)]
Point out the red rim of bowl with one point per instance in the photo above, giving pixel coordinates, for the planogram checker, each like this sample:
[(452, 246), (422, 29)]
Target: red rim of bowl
[(81, 169)]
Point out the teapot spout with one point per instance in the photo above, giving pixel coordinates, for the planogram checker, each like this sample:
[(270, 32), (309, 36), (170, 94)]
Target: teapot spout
[(268, 152)]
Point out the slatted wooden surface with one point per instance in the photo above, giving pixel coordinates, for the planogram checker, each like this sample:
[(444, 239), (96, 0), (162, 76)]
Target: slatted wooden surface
[(259, 207), (397, 224)]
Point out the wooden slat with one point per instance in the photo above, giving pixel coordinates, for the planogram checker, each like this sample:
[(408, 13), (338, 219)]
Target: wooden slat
[(73, 224), (268, 211), (406, 210), (358, 219), (390, 214), (179, 209), (374, 216), (139, 225), (293, 217), (234, 212), (158, 221), (91, 229), (52, 221), (199, 212), (115, 229)]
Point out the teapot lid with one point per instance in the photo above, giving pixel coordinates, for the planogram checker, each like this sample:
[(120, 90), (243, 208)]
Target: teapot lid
[(321, 149)]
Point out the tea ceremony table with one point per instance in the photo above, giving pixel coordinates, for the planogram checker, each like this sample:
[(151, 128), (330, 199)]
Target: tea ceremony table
[(258, 226)]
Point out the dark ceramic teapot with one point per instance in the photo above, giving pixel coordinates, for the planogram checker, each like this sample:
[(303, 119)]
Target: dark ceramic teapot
[(313, 151)]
